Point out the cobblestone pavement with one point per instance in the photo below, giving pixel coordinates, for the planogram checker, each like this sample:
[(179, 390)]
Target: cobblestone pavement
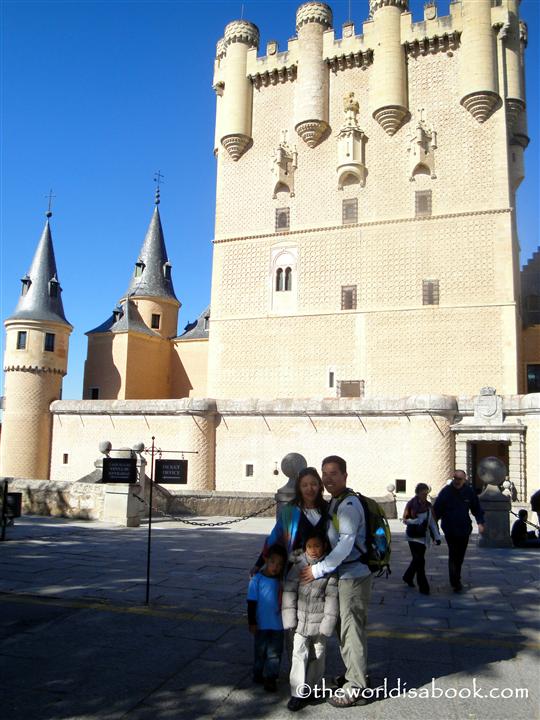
[(77, 641)]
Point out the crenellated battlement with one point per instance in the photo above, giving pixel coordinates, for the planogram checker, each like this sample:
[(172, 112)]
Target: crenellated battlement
[(314, 12), (241, 31), (481, 30)]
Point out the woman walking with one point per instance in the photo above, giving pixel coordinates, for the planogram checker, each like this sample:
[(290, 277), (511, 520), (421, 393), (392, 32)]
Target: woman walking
[(421, 528)]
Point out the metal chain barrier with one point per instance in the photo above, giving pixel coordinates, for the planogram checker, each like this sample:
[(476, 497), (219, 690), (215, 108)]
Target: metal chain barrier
[(178, 518)]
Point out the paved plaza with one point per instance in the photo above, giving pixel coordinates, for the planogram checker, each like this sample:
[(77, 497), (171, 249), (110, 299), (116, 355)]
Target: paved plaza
[(77, 640)]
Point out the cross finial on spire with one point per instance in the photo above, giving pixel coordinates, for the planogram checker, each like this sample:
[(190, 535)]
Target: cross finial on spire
[(158, 178), (49, 197)]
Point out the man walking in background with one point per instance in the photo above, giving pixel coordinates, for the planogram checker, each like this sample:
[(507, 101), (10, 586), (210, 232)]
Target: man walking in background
[(454, 505)]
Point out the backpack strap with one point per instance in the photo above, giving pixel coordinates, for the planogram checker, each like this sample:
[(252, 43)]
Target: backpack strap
[(335, 522)]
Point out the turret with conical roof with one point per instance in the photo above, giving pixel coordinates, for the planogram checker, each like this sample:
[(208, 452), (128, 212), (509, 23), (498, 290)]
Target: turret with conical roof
[(151, 286), (37, 336), (129, 354)]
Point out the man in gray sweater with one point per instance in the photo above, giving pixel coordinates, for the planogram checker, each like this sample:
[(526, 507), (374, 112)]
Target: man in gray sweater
[(347, 537)]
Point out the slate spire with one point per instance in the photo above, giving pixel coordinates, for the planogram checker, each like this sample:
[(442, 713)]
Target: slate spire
[(41, 294), (152, 276)]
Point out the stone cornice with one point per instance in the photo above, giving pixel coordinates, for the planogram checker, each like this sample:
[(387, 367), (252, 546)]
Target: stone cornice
[(34, 369), (183, 406), (371, 223), (447, 42), (274, 77), (346, 61), (354, 407)]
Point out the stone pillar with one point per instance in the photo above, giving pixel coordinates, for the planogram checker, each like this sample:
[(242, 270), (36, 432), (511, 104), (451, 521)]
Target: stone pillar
[(121, 506), (388, 86), (311, 86), (515, 95), (236, 111), (478, 65)]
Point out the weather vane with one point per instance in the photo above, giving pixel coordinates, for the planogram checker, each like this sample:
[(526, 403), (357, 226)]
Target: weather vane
[(158, 178), (49, 197)]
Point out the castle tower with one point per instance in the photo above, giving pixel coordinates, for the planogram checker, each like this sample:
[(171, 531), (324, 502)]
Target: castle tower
[(311, 91), (478, 62), (389, 79), (151, 286), (234, 112), (129, 355), (37, 336)]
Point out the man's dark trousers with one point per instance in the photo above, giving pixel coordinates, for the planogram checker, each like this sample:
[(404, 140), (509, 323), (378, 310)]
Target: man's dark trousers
[(457, 547)]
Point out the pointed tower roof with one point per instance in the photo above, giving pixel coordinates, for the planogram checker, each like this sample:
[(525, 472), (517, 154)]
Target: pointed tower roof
[(41, 297), (152, 270)]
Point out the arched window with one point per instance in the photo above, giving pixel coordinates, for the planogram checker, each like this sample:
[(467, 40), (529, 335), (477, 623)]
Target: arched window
[(26, 282), (53, 287), (279, 279), (288, 278)]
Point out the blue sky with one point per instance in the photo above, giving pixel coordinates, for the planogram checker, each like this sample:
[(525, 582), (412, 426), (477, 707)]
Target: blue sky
[(97, 96)]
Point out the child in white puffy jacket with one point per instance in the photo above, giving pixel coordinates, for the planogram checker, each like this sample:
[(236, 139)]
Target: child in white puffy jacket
[(312, 610)]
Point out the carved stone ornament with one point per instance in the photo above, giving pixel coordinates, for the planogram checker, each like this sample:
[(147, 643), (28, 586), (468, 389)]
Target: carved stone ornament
[(236, 145), (284, 163), (481, 104), (488, 407), (351, 145), (312, 131), (422, 146)]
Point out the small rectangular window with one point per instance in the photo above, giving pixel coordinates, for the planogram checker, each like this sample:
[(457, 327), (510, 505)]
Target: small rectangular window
[(422, 203), (350, 211), (249, 470), (401, 485), (94, 393), (331, 379), (21, 340), (430, 292), (49, 342), (282, 219), (206, 322), (156, 320), (348, 297), (351, 388), (65, 459), (533, 378)]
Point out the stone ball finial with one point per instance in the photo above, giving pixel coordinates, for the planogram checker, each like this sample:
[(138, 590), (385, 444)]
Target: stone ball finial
[(314, 12), (138, 447), (241, 31), (491, 471), (105, 447), (390, 488), (292, 463)]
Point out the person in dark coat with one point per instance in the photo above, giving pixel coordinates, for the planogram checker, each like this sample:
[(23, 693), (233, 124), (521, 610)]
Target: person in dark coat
[(453, 507), (521, 537)]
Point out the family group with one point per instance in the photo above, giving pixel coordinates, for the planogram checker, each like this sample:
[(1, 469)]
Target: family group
[(312, 577)]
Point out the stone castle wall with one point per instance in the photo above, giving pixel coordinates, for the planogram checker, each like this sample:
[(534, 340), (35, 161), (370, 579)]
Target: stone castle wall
[(391, 341)]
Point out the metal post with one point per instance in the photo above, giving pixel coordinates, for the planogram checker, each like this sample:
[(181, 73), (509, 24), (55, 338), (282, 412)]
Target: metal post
[(150, 523), (3, 519)]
